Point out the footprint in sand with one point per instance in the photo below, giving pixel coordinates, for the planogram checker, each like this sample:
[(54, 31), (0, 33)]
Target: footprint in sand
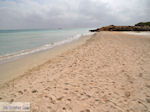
[(86, 110)]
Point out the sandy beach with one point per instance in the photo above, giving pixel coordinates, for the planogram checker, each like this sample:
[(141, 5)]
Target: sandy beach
[(14, 68), (110, 72)]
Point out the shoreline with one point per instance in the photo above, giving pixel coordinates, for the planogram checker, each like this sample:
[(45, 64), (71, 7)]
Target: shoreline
[(12, 56), (20, 65)]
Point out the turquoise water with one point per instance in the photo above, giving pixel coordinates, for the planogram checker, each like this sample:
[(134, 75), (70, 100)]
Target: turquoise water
[(18, 41)]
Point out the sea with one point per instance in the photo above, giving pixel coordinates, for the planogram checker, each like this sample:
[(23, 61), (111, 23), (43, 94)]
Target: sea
[(16, 43)]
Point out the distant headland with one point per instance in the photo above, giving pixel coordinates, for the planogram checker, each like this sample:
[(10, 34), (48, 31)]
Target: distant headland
[(142, 26)]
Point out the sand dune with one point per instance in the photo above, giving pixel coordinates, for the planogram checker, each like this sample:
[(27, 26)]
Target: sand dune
[(109, 73)]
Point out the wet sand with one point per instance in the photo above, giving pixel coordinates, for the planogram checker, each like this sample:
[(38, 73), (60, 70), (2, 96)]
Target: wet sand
[(108, 73), (15, 68)]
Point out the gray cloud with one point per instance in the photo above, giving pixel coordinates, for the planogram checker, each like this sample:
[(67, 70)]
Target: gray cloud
[(23, 14)]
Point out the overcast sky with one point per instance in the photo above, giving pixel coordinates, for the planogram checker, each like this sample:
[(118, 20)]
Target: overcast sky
[(31, 14)]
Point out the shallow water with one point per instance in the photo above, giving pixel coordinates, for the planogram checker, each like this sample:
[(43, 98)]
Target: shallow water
[(21, 42)]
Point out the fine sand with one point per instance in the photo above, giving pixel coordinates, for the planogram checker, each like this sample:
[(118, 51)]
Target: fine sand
[(108, 73)]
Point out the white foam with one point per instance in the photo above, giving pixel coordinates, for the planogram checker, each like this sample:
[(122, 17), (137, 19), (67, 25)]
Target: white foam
[(13, 56)]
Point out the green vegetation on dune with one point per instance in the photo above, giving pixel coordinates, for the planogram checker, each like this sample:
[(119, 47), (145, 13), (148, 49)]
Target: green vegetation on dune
[(143, 24)]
